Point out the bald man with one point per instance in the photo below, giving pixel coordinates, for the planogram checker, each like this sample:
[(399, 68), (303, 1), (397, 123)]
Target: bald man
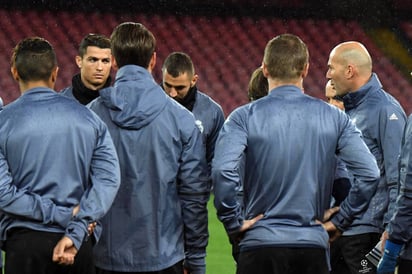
[(381, 119)]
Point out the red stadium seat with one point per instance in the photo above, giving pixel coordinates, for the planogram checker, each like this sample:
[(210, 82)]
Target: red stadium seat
[(225, 50)]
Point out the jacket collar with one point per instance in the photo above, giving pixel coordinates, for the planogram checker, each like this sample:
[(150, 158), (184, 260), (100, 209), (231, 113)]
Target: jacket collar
[(38, 90), (354, 99), (281, 90), (132, 73)]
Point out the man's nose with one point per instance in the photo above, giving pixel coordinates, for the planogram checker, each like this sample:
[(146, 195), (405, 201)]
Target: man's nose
[(99, 65), (172, 92)]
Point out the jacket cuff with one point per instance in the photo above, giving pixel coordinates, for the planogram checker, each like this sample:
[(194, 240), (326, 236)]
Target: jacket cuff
[(340, 222), (77, 232), (195, 266), (62, 216), (53, 214)]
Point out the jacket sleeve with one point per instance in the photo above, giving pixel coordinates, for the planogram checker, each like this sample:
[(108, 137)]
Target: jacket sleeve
[(104, 184), (229, 150), (362, 165), (399, 226), (22, 203), (194, 194), (211, 141), (391, 127)]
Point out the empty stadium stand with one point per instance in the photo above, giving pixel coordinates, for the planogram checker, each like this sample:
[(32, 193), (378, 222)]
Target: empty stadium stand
[(225, 49)]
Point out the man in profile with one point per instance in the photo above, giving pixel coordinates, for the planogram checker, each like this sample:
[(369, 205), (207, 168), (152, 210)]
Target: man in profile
[(381, 119)]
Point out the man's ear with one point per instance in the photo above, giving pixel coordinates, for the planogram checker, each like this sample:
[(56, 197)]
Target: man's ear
[(54, 74), (79, 61), (265, 70), (305, 70), (14, 73), (152, 63), (114, 64), (194, 80), (350, 71)]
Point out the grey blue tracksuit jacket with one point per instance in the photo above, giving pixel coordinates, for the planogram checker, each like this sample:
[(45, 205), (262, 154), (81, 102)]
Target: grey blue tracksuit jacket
[(55, 155), (209, 118), (381, 120), (290, 140), (400, 226), (159, 216)]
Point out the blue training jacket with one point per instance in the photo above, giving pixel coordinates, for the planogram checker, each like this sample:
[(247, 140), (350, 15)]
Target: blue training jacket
[(159, 216), (209, 118), (68, 92), (55, 155), (289, 140), (399, 227), (381, 120)]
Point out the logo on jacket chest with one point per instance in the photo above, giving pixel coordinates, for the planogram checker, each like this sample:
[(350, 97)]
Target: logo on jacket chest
[(199, 124)]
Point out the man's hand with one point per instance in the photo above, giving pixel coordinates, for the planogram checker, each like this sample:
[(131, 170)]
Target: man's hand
[(384, 237), (329, 213), (64, 251), (90, 228), (76, 210), (332, 230), (247, 224)]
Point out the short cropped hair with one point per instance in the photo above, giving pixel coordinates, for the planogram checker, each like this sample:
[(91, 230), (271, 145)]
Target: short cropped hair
[(258, 85), (132, 44), (34, 59), (178, 63), (93, 40), (285, 57)]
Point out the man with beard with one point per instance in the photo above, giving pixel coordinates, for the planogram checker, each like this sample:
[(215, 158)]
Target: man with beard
[(179, 82)]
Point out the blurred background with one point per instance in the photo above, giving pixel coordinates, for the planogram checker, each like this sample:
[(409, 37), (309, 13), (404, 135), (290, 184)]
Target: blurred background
[(225, 38)]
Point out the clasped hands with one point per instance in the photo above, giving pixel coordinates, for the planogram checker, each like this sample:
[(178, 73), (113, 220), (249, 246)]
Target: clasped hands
[(332, 230), (64, 252)]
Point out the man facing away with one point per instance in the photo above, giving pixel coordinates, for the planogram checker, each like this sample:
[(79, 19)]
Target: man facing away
[(158, 221), (179, 82), (59, 171), (257, 88), (381, 119), (94, 62), (287, 182)]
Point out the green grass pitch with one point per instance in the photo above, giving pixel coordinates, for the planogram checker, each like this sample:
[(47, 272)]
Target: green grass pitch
[(219, 258), (219, 252)]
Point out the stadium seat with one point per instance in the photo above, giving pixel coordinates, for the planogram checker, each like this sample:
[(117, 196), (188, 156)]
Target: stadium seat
[(224, 49)]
